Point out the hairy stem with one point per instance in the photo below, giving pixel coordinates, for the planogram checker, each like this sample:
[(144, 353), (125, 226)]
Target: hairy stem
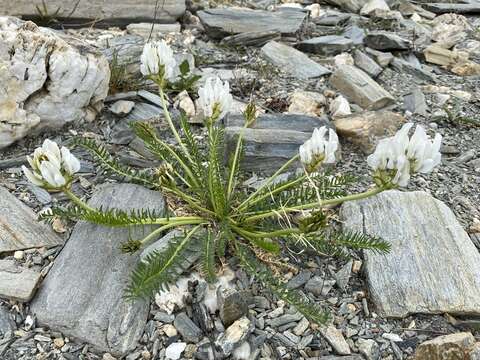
[(359, 196), (77, 201), (259, 234), (247, 202), (153, 235)]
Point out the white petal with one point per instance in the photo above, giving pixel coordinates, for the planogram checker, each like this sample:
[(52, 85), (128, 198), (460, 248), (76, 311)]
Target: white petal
[(69, 161), (32, 177), (51, 174)]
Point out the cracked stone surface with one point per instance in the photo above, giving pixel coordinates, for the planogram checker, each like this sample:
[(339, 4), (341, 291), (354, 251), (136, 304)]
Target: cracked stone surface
[(82, 296), (46, 80)]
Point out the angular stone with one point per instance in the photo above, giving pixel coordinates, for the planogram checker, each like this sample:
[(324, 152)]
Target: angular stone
[(326, 45), (232, 305), (187, 328), (19, 227), (292, 61), (254, 38), (464, 7), (221, 22), (367, 128), (415, 102), (437, 55), (428, 246), (7, 323), (17, 283), (360, 88), (234, 336), (83, 294), (335, 339), (273, 140), (350, 5), (383, 40), (369, 349), (416, 71), (103, 12), (382, 58), (374, 5), (447, 347), (147, 30), (46, 79), (367, 64)]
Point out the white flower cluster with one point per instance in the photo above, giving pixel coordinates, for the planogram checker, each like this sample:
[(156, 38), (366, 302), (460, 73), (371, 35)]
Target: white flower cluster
[(52, 167), (215, 99), (398, 157), (158, 59), (318, 149)]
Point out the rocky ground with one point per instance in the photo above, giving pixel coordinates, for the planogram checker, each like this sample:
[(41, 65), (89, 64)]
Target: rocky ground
[(294, 60)]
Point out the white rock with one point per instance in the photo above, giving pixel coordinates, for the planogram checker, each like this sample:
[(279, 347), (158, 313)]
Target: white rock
[(170, 330), (46, 79), (447, 35), (122, 107), (19, 255), (306, 102), (242, 352), (374, 5), (392, 337), (315, 10), (174, 351), (145, 29), (343, 59), (340, 107), (184, 102), (415, 17)]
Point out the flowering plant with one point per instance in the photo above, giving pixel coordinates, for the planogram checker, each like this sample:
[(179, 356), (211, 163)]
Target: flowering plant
[(219, 216)]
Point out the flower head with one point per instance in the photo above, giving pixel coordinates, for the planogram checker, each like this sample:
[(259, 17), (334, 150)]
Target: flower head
[(215, 99), (318, 149), (396, 158), (157, 60), (51, 167)]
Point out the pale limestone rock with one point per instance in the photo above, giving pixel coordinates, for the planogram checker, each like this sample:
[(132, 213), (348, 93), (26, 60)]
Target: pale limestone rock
[(335, 339), (447, 347), (307, 103), (447, 35), (373, 5), (339, 107), (46, 80)]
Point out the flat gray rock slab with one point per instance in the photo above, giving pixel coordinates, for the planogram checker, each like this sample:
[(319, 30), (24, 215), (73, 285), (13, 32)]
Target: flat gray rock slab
[(472, 7), (433, 266), (292, 61), (360, 88), (326, 45), (82, 295), (221, 22), (19, 228), (17, 283), (273, 140), (118, 11)]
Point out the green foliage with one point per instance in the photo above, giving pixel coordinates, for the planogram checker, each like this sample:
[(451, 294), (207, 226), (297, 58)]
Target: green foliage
[(121, 80), (228, 219), (160, 269), (186, 80)]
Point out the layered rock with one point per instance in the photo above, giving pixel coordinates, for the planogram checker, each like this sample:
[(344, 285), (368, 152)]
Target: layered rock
[(46, 80)]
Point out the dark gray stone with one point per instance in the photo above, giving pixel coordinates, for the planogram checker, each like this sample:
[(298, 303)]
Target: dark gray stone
[(417, 72), (234, 335), (258, 38), (366, 63), (221, 22), (332, 18), (232, 305), (326, 45), (292, 61), (284, 319), (355, 33), (273, 140), (299, 280), (349, 5), (415, 102), (19, 227), (433, 264), (187, 328), (7, 323), (319, 286), (82, 295), (383, 40), (460, 7), (16, 282)]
